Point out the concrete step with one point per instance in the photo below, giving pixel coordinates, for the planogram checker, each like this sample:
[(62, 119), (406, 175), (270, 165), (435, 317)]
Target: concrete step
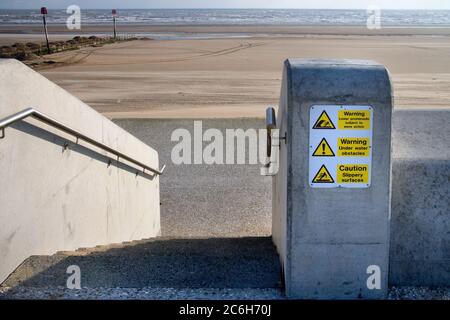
[(216, 263)]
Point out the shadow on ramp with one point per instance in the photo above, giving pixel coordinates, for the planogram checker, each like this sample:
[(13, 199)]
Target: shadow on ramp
[(167, 263)]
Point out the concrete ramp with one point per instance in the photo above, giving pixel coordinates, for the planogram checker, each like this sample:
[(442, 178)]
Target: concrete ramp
[(201, 200)]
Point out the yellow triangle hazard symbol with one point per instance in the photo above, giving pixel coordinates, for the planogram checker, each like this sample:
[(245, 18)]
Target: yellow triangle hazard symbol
[(324, 122), (323, 149), (323, 176)]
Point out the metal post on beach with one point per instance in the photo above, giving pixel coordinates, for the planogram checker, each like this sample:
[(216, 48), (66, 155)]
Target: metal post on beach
[(114, 14), (44, 13)]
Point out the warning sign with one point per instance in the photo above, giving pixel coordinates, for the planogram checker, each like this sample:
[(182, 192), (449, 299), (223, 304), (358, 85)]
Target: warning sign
[(354, 119), (324, 122), (323, 176), (340, 157), (352, 173), (323, 149), (353, 147)]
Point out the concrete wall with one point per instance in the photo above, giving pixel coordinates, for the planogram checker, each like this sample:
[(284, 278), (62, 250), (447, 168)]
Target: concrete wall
[(54, 199), (420, 223)]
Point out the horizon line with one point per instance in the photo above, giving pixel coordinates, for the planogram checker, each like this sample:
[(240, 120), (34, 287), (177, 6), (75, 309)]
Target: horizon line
[(213, 8)]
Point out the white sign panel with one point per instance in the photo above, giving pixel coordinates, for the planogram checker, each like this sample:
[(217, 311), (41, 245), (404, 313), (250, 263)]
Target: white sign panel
[(340, 146)]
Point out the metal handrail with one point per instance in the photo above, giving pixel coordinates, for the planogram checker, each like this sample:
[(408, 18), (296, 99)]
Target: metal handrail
[(31, 112)]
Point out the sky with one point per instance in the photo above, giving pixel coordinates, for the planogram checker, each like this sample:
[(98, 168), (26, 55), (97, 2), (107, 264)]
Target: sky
[(151, 4)]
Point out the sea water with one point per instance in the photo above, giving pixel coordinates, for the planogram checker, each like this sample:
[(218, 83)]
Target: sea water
[(393, 18)]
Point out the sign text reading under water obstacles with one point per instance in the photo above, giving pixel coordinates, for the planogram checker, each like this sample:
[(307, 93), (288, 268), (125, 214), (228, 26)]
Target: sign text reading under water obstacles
[(340, 146)]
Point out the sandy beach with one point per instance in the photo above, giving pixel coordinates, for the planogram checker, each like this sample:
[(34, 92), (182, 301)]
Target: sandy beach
[(236, 72)]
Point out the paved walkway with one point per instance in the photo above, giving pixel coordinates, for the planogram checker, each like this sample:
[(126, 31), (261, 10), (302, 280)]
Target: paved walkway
[(207, 200)]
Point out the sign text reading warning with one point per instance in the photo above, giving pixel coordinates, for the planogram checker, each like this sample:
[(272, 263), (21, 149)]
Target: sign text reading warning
[(353, 147), (354, 119)]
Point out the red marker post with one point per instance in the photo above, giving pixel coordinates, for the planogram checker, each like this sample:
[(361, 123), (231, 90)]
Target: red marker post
[(44, 13), (114, 14)]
